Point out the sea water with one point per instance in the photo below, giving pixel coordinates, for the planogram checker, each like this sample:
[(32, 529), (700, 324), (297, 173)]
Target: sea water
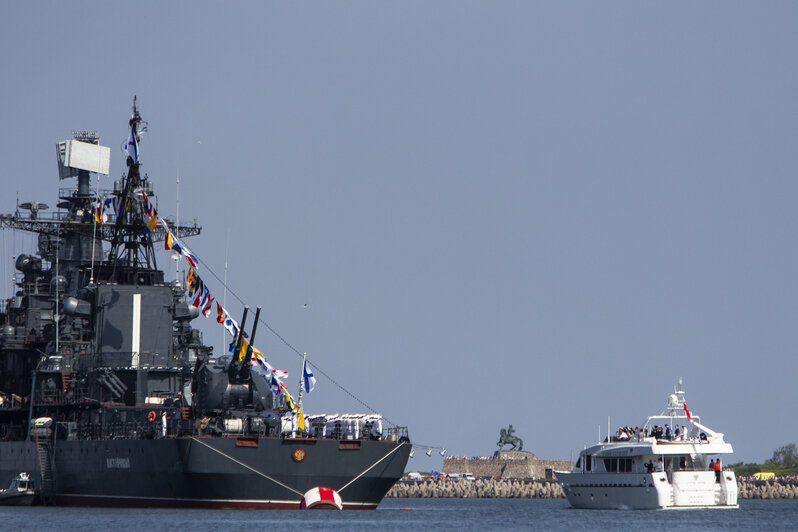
[(411, 514)]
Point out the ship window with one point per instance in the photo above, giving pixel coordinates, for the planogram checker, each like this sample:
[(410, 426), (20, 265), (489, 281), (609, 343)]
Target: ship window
[(588, 462), (618, 465), (579, 462)]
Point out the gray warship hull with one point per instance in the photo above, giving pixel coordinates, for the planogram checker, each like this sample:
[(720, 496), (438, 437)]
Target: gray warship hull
[(212, 472)]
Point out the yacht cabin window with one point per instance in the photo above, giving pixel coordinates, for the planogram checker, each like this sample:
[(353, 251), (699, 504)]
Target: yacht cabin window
[(618, 465)]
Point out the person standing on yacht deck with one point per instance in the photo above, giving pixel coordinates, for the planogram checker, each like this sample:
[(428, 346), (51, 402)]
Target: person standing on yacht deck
[(717, 470)]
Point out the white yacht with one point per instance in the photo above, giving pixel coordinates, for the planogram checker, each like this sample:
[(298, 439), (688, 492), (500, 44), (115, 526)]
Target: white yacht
[(668, 463)]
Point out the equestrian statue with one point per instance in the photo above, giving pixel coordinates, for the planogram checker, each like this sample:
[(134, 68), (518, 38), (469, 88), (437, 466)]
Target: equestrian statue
[(507, 438)]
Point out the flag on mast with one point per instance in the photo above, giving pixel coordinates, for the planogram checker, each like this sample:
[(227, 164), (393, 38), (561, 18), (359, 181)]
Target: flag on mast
[(98, 210), (150, 227), (310, 380), (131, 146), (150, 214)]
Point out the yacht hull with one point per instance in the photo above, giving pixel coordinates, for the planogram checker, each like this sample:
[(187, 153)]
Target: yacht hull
[(655, 491)]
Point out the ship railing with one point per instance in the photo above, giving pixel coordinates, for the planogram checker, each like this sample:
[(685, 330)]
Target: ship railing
[(389, 433), (139, 430), (45, 216), (13, 401), (17, 338), (50, 392), (11, 432), (132, 429), (37, 286), (61, 362), (136, 429), (126, 360), (68, 192), (71, 350), (393, 433)]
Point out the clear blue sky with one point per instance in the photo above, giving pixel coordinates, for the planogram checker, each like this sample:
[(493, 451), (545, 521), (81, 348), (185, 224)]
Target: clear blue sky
[(537, 213)]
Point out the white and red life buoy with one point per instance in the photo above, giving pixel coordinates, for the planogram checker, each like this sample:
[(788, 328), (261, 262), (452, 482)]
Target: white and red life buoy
[(321, 498)]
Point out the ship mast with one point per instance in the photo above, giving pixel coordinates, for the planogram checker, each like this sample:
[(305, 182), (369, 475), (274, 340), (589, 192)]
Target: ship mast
[(130, 249)]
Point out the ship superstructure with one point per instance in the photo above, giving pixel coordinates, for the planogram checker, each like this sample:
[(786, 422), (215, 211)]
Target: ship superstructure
[(110, 394), (671, 462)]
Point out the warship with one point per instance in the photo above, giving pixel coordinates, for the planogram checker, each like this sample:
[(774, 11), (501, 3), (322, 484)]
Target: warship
[(108, 395)]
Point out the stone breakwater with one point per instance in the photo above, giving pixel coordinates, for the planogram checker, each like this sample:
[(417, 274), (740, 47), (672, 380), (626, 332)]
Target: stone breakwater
[(777, 488), (546, 489), (477, 489)]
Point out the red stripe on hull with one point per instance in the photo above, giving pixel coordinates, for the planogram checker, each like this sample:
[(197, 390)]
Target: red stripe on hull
[(135, 502)]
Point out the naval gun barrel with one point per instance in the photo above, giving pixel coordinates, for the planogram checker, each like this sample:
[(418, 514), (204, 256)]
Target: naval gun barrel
[(236, 356), (248, 359)]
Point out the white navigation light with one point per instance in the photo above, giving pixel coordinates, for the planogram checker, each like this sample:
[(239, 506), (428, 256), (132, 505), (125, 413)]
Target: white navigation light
[(74, 155)]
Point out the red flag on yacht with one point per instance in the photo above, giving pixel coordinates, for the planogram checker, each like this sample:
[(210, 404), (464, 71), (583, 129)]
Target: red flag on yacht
[(686, 411)]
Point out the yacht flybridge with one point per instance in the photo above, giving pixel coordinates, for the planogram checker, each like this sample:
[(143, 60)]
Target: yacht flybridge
[(673, 461)]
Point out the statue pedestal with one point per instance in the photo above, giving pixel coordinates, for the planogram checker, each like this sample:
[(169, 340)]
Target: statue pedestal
[(506, 464), (514, 455)]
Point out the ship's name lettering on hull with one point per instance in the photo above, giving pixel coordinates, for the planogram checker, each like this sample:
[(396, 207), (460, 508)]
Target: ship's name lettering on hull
[(117, 463)]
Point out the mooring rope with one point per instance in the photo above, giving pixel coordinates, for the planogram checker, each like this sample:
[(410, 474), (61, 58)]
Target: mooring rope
[(264, 475), (372, 466)]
